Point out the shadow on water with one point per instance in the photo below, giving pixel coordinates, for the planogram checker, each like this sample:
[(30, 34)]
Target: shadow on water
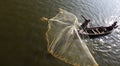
[(22, 41)]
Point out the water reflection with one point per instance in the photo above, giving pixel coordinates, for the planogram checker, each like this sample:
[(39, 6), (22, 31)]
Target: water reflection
[(23, 33), (103, 12)]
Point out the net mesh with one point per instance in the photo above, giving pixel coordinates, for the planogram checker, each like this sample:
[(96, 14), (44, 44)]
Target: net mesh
[(64, 42)]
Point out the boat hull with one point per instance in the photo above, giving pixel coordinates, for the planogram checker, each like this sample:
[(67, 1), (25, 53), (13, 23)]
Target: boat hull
[(95, 32)]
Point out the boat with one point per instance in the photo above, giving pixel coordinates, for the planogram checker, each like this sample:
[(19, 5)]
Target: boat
[(96, 31)]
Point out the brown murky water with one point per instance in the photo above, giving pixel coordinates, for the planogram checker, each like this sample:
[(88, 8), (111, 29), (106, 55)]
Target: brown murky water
[(22, 34)]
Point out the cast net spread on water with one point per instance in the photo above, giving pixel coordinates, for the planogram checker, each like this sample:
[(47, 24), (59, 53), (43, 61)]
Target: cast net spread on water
[(64, 41)]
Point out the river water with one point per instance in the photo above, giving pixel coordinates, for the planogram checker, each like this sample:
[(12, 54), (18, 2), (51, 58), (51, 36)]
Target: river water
[(23, 42)]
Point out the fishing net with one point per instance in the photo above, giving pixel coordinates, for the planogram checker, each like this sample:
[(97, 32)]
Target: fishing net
[(64, 41)]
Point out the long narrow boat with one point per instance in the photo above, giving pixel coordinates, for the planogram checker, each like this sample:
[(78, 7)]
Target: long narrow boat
[(96, 31)]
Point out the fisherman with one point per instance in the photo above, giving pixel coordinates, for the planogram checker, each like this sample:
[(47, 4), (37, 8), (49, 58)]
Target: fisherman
[(84, 25)]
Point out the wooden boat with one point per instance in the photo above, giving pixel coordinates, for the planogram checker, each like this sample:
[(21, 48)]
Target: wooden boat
[(96, 31)]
